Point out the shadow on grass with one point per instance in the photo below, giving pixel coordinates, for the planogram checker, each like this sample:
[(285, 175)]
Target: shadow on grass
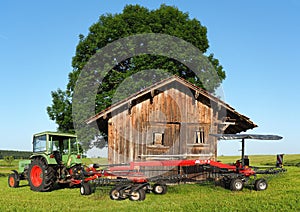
[(4, 174), (21, 186)]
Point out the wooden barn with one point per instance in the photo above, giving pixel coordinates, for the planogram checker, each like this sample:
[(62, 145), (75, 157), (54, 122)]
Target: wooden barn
[(171, 119)]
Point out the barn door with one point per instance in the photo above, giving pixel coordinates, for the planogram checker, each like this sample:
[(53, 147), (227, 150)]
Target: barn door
[(172, 139), (164, 145)]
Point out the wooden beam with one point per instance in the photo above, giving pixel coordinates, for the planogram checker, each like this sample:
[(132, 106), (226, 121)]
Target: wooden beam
[(197, 95), (105, 116), (129, 106), (152, 92)]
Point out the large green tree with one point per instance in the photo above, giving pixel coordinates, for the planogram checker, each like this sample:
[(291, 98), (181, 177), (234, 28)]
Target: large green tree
[(133, 20)]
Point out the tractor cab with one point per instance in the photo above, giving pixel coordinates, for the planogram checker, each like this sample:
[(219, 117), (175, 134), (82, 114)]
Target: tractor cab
[(57, 148)]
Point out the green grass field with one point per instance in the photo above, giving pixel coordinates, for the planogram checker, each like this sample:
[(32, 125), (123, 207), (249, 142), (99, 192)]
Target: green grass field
[(283, 194)]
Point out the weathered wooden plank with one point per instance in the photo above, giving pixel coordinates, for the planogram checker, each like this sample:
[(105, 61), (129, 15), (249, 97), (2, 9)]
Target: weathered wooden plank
[(177, 116), (134, 134), (110, 141)]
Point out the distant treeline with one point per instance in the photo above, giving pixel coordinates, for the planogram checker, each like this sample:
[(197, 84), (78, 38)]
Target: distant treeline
[(15, 154)]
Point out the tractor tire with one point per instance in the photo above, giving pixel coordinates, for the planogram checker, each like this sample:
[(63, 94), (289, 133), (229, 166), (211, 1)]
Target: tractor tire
[(260, 185), (85, 189), (137, 195), (236, 184), (13, 180), (159, 188), (41, 177)]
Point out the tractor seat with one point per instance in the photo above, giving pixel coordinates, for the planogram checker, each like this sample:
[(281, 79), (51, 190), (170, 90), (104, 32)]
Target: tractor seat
[(58, 157)]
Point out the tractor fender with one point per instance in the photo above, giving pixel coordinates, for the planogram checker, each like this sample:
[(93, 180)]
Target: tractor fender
[(49, 161), (17, 174)]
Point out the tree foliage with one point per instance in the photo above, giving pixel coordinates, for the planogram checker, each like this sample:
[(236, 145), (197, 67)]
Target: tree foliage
[(133, 20), (61, 110)]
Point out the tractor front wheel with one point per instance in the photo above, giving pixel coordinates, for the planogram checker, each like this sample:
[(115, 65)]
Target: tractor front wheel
[(41, 177), (13, 180)]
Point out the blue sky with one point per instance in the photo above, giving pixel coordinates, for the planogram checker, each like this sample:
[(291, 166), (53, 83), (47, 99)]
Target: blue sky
[(257, 43)]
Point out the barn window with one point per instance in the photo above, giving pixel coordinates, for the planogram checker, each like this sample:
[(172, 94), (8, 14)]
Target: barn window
[(200, 136), (158, 138)]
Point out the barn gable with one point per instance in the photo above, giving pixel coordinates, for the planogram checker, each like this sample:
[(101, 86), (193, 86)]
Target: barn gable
[(170, 119)]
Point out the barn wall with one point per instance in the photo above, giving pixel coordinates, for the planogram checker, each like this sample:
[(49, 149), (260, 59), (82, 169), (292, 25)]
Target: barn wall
[(173, 112)]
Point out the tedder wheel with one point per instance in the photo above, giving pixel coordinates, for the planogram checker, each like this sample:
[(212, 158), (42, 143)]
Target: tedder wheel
[(116, 193), (236, 184), (137, 195), (159, 188), (13, 180), (85, 189), (41, 177), (224, 182), (260, 185)]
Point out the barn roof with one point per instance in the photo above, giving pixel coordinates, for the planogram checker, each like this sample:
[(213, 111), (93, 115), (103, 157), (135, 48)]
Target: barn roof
[(236, 121)]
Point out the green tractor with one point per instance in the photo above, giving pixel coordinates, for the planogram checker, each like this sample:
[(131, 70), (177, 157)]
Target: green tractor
[(56, 160)]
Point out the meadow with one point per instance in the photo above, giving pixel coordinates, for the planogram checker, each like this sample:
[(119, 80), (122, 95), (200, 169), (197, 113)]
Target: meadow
[(283, 194)]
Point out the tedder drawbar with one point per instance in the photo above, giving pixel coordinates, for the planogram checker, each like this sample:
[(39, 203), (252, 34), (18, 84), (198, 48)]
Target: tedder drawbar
[(129, 180)]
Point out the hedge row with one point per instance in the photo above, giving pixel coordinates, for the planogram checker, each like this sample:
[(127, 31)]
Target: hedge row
[(15, 154)]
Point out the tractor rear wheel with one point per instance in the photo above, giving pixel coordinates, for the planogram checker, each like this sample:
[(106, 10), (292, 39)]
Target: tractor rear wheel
[(260, 185), (137, 195), (159, 188), (41, 177), (236, 184), (13, 180)]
